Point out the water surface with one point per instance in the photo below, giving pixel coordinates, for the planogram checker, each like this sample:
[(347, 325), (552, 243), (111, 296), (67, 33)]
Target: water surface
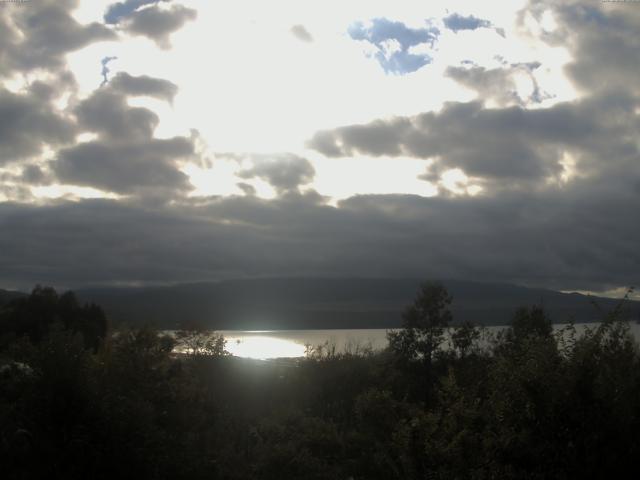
[(269, 344)]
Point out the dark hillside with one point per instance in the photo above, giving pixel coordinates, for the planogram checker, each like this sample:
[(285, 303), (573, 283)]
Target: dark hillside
[(306, 303)]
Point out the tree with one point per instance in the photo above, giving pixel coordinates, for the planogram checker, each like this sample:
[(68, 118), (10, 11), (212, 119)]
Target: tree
[(463, 338), (424, 324), (196, 340), (529, 323), (34, 316)]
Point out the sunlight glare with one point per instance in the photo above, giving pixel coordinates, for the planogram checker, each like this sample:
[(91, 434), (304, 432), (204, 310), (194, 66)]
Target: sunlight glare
[(264, 348)]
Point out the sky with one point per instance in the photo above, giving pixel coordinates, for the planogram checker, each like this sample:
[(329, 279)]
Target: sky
[(166, 141)]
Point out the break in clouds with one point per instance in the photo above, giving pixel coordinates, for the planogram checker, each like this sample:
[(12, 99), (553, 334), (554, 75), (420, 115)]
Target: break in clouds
[(555, 185)]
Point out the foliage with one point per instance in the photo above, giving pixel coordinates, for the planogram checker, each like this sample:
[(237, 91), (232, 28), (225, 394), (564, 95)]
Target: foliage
[(530, 404), (464, 337), (198, 341), (424, 324), (36, 314)]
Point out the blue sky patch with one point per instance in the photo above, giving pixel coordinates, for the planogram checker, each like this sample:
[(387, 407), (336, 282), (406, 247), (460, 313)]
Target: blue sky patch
[(394, 41), (120, 10), (105, 69)]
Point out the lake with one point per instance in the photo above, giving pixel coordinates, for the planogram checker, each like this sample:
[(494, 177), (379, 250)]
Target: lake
[(270, 344)]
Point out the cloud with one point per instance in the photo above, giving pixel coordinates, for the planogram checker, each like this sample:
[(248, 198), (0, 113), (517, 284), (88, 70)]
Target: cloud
[(581, 238), (529, 225), (499, 84), (144, 86), (285, 172), (604, 41), (499, 145), (246, 188), (377, 138), (107, 113), (457, 22), (125, 158), (40, 34), (301, 33), (134, 167), (158, 23), (29, 122), (16, 184), (34, 175), (393, 42), (48, 115)]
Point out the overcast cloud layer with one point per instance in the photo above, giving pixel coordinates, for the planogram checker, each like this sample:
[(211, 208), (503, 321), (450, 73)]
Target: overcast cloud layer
[(525, 180)]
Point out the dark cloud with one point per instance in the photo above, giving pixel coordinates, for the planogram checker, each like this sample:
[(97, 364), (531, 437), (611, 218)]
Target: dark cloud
[(34, 175), (147, 244), (31, 174), (246, 188), (16, 191), (457, 22), (285, 172), (499, 84), (512, 144), (144, 86), (158, 23), (126, 158), (37, 36), (126, 168), (603, 38), (106, 112), (28, 122), (496, 83), (378, 138), (583, 238), (301, 33), (40, 34), (393, 41)]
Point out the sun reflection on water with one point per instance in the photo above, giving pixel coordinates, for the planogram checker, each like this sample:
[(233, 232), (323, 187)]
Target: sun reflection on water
[(263, 347)]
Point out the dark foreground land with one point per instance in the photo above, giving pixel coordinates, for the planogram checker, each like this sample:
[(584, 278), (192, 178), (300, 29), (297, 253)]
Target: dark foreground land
[(78, 402)]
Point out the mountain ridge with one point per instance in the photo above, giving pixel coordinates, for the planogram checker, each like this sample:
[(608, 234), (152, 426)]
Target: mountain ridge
[(316, 303)]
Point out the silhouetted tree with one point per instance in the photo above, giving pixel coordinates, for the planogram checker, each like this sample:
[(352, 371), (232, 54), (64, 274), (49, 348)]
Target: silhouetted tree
[(521, 408), (424, 324), (197, 340), (529, 322), (463, 338), (35, 315)]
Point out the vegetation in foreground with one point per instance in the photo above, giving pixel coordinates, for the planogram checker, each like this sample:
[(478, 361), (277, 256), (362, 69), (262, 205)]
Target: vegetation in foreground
[(78, 402)]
